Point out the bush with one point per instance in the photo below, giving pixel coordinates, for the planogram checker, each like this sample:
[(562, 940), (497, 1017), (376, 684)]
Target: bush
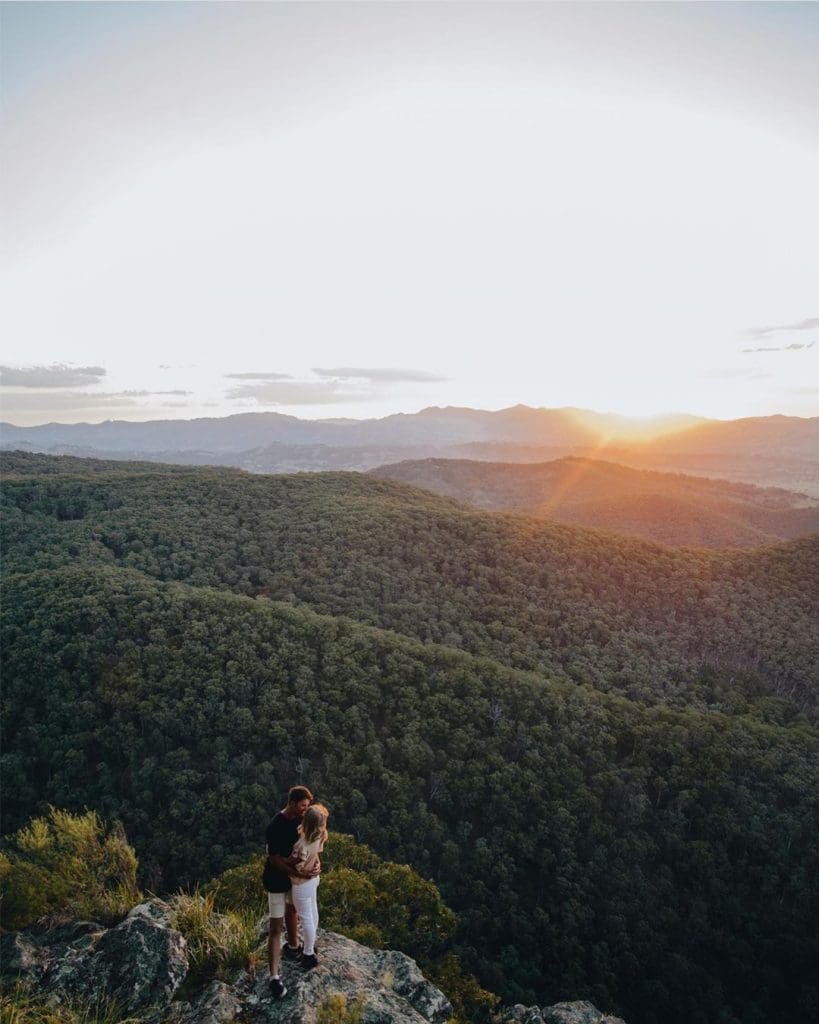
[(334, 1010), (70, 863)]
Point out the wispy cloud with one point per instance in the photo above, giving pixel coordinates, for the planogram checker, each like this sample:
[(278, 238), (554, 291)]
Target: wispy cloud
[(260, 375), (793, 347), (338, 385), (57, 375), (295, 392), (377, 374), (56, 401), (801, 325), (69, 401)]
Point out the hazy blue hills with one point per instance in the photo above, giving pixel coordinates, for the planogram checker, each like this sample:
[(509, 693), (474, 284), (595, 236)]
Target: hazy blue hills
[(774, 450), (449, 425), (670, 508)]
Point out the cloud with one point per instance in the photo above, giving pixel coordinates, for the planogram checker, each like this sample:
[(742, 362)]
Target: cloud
[(293, 392), (378, 374), (57, 375), (68, 401), (801, 325), (81, 402), (336, 386), (793, 347), (258, 376)]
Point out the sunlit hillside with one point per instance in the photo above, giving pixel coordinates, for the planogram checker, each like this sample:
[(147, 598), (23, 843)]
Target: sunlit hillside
[(671, 508)]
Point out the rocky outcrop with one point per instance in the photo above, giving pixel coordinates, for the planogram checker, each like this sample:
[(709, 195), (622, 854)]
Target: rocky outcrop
[(142, 962), (390, 985), (561, 1013)]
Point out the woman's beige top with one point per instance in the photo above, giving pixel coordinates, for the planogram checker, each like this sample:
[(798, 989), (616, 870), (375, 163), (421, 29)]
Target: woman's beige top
[(307, 855)]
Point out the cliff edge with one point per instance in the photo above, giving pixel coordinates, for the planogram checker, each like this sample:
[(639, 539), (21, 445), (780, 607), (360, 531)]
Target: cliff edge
[(142, 965)]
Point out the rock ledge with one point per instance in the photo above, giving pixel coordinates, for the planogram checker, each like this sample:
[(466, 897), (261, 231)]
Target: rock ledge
[(142, 962)]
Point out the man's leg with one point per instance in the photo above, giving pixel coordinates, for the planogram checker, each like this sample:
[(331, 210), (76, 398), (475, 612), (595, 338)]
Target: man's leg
[(274, 945)]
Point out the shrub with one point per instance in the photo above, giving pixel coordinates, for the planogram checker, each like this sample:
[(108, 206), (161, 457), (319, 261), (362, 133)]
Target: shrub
[(67, 862), (334, 1010)]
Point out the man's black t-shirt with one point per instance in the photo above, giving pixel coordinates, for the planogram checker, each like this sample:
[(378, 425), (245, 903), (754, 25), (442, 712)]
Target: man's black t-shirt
[(281, 837)]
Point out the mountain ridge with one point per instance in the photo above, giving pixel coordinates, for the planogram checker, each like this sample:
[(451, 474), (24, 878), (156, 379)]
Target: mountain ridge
[(777, 450)]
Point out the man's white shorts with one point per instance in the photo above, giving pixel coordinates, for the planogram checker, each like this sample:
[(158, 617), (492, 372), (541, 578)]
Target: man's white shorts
[(276, 902)]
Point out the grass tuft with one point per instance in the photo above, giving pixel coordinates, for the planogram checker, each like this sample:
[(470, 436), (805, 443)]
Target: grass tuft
[(20, 1005), (218, 943)]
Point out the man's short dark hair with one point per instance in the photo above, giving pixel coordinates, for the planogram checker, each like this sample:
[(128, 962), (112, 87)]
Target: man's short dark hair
[(298, 793)]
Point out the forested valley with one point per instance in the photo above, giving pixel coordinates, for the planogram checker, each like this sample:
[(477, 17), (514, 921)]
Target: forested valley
[(599, 749)]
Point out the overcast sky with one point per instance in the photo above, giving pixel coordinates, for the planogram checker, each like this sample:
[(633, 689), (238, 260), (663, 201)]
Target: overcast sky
[(357, 209)]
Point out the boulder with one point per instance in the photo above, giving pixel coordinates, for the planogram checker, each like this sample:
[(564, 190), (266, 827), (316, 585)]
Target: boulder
[(581, 1012), (139, 963)]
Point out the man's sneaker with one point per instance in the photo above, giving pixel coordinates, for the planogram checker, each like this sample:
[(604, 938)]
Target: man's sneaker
[(291, 952), (277, 989), (308, 961)]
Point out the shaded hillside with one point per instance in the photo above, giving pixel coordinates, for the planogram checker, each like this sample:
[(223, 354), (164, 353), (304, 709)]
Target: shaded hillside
[(655, 624), (662, 862), (670, 508)]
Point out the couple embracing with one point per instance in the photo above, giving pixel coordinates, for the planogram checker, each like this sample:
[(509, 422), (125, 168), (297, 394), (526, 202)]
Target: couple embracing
[(295, 838)]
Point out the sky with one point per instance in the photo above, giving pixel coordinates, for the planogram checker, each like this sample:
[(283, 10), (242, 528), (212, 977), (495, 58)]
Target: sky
[(351, 210)]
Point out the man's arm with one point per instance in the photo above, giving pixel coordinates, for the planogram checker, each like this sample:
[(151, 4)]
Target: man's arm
[(284, 865)]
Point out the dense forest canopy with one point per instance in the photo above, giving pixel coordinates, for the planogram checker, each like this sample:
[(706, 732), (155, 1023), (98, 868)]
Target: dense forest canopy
[(649, 858), (595, 739), (657, 625)]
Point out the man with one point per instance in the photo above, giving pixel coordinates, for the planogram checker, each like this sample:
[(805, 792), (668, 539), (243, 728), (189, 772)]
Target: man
[(282, 833)]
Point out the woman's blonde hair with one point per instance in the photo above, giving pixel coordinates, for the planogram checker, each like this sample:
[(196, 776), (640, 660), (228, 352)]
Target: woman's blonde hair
[(314, 823)]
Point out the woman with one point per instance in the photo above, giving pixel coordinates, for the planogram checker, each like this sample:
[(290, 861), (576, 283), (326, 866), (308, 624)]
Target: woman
[(305, 856)]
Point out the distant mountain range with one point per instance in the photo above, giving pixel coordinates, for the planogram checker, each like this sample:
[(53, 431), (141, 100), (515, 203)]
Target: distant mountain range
[(771, 451), (671, 508)]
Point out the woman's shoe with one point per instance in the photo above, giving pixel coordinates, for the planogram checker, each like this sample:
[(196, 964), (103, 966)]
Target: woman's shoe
[(308, 961), (290, 952)]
